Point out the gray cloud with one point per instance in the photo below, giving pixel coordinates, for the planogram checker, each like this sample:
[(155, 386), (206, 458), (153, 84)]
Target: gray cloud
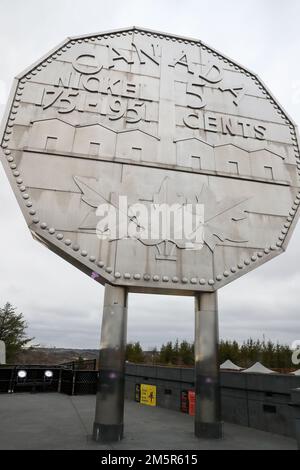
[(62, 305)]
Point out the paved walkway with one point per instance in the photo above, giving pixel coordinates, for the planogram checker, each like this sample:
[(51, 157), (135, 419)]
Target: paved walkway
[(55, 421)]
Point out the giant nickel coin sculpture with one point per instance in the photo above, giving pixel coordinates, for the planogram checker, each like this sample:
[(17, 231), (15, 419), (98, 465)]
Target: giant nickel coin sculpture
[(133, 121)]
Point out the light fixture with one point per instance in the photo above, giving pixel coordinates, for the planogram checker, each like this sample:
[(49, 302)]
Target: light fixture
[(22, 374), (49, 374)]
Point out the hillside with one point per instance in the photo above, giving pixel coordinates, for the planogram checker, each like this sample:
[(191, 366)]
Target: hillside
[(54, 356)]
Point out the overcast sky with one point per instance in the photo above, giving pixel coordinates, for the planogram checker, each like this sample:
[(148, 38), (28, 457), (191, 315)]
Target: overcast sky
[(62, 305)]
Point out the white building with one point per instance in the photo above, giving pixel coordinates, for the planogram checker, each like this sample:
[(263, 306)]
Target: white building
[(2, 353)]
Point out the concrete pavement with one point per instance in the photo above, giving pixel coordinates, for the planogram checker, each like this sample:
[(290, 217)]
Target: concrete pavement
[(56, 421)]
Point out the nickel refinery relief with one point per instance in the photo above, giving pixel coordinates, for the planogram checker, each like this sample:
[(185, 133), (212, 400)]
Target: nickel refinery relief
[(96, 141)]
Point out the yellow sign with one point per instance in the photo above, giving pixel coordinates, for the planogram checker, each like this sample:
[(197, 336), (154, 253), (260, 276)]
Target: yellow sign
[(148, 395)]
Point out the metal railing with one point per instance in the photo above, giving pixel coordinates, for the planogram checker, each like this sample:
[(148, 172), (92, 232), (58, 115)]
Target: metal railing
[(66, 379), (85, 364), (23, 378)]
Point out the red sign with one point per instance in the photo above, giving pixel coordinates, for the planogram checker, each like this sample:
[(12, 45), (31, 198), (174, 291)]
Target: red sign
[(192, 403)]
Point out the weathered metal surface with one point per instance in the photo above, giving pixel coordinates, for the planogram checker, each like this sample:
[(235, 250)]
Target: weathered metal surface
[(207, 369), (160, 119), (109, 415)]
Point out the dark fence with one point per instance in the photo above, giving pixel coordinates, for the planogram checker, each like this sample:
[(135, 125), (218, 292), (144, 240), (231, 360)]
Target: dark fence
[(36, 380), (16, 379), (6, 379), (29, 379), (85, 382), (78, 382), (67, 385), (89, 364)]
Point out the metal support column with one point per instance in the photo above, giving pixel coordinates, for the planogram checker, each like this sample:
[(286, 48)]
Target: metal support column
[(108, 425), (207, 374)]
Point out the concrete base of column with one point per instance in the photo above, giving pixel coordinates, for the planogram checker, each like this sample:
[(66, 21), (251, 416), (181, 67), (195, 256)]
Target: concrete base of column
[(108, 432), (209, 430)]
